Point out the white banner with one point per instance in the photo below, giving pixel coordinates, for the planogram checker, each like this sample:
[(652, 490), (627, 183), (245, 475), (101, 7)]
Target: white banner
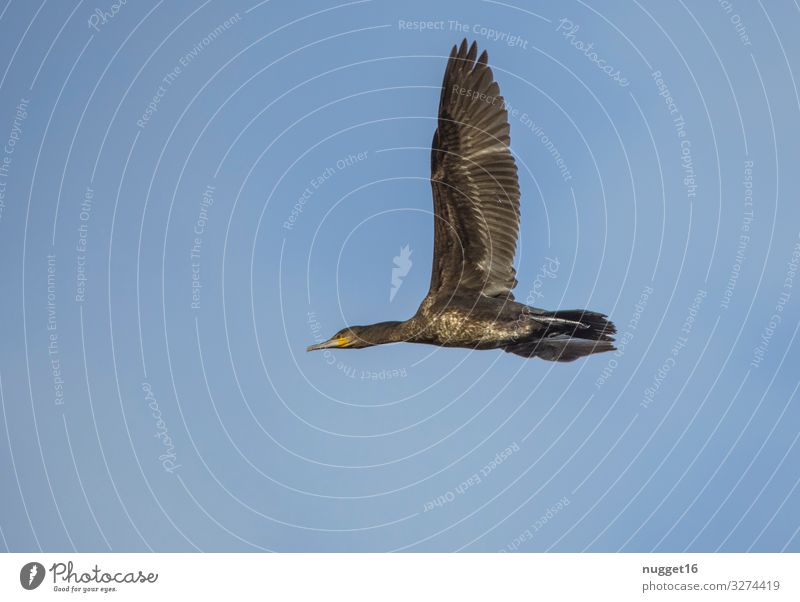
[(401, 577)]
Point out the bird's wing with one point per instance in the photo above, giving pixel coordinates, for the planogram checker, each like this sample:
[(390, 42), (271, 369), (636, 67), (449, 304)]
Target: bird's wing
[(474, 181)]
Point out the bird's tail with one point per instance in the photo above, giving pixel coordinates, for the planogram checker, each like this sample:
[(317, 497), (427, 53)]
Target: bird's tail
[(568, 335)]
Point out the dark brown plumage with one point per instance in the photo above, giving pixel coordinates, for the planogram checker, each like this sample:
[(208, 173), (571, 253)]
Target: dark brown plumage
[(476, 226)]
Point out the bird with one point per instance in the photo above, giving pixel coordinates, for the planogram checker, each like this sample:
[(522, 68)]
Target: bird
[(476, 203)]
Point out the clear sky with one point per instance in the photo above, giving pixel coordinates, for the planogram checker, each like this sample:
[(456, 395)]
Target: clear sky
[(191, 193)]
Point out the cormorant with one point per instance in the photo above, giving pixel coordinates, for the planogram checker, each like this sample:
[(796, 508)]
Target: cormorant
[(476, 225)]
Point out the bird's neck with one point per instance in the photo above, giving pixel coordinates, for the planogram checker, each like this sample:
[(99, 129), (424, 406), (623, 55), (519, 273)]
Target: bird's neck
[(387, 332)]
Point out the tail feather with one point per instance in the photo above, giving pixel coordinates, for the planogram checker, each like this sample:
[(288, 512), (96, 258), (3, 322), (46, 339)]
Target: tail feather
[(579, 323), (569, 334)]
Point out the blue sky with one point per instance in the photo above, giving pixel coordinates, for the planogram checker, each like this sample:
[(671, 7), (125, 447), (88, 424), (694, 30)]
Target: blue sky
[(193, 193)]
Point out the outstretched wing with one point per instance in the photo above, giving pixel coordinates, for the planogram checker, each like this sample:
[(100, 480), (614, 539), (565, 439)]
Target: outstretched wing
[(474, 181)]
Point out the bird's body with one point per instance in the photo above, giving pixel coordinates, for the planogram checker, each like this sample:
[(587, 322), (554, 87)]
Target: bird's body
[(480, 323), (476, 226)]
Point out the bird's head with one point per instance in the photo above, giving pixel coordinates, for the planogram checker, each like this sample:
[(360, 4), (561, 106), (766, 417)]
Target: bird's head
[(358, 337), (351, 337)]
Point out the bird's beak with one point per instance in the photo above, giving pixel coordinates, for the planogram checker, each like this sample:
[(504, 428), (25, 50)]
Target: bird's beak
[(325, 345), (331, 344)]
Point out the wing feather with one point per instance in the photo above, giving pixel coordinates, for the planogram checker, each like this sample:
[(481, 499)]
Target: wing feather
[(474, 180)]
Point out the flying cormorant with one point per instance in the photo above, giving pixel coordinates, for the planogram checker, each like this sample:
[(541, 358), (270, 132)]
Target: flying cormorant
[(476, 225)]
